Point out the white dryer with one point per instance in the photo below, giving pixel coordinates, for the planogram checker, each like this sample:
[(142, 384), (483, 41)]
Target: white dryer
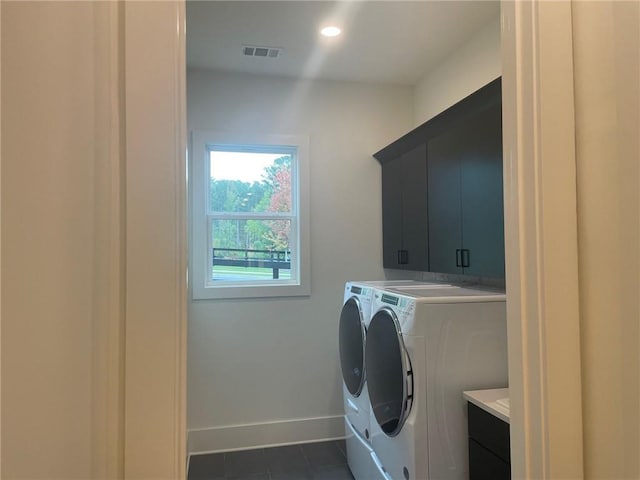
[(424, 347), (354, 321)]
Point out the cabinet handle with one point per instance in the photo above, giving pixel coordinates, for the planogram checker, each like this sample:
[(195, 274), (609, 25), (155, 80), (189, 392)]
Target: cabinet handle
[(403, 257), (458, 257), (465, 258)]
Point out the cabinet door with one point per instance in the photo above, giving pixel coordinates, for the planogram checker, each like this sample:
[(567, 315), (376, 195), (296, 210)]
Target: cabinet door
[(481, 195), (484, 465), (391, 212), (404, 211), (415, 226), (445, 229)]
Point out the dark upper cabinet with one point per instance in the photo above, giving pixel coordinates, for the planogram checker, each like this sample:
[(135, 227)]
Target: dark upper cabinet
[(465, 202), (442, 202), (404, 211)]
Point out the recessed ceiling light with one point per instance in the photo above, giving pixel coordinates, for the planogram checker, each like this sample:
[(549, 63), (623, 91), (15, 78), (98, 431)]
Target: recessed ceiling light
[(331, 31)]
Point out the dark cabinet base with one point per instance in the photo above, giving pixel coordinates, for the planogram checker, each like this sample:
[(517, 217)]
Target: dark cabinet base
[(484, 465), (489, 450)]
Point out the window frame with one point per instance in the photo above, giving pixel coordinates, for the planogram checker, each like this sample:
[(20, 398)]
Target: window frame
[(202, 289)]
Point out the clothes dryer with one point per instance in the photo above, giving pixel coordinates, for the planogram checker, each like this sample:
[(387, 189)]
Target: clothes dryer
[(354, 320), (424, 348)]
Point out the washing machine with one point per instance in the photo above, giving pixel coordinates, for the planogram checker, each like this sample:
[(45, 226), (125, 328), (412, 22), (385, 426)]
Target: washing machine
[(424, 347), (354, 320)]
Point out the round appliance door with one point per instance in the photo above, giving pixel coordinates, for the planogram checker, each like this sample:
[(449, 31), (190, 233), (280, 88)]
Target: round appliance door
[(389, 374), (352, 336)]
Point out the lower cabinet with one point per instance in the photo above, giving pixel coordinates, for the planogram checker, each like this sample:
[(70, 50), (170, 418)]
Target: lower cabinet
[(485, 465), (489, 451)]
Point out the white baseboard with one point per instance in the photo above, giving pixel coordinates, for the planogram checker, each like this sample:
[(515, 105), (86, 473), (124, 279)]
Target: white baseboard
[(258, 435)]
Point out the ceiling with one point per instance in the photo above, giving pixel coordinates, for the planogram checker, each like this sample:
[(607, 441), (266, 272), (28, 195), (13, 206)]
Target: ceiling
[(392, 42)]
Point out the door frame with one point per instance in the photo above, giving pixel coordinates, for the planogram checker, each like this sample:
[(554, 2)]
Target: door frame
[(544, 354), (541, 240), (155, 278)]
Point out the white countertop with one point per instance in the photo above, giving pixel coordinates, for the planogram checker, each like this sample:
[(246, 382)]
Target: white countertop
[(494, 401)]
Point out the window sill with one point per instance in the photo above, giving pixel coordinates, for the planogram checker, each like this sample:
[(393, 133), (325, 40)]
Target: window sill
[(250, 291)]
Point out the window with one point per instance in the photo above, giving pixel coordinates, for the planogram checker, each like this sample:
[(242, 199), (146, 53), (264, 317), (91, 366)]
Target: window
[(249, 216)]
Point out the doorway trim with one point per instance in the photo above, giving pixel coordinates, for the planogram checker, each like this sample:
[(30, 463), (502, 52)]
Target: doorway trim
[(156, 241), (541, 240)]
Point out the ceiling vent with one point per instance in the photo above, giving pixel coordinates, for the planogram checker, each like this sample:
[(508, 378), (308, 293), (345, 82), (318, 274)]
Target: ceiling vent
[(259, 51)]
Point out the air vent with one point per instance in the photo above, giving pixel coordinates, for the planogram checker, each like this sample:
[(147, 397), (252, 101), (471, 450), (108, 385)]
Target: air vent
[(259, 51)]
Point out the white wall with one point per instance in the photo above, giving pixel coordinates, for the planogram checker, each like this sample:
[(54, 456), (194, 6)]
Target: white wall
[(259, 361), (470, 67), (47, 239), (346, 123)]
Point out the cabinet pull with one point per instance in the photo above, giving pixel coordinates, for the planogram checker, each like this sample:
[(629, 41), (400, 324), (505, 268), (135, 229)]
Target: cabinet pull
[(403, 257), (458, 257), (465, 258)]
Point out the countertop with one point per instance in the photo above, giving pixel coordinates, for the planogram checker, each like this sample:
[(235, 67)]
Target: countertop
[(494, 401)]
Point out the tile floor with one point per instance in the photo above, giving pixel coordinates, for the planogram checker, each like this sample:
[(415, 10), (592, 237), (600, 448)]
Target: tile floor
[(309, 461)]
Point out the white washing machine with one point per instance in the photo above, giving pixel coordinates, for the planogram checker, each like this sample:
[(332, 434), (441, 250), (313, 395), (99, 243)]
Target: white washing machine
[(424, 348), (354, 321)]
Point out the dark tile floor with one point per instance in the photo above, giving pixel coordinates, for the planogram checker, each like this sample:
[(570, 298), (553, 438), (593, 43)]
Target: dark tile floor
[(308, 461)]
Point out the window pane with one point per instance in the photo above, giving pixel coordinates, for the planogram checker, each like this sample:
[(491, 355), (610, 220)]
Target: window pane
[(244, 250), (249, 182)]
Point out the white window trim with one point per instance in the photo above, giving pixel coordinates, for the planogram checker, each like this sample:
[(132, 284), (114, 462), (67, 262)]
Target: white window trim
[(200, 254)]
